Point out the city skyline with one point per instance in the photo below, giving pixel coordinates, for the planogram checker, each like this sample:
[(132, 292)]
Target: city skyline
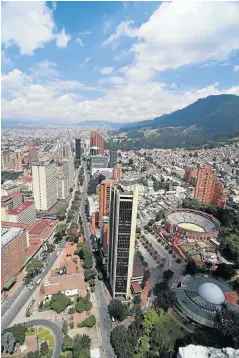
[(115, 60)]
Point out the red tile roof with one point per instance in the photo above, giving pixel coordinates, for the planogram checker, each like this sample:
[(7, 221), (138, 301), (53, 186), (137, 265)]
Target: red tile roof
[(9, 224), (14, 195), (43, 228), (20, 208), (232, 297)]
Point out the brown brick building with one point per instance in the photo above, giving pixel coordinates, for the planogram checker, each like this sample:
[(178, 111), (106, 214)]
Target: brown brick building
[(209, 189), (105, 197), (96, 140), (13, 254)]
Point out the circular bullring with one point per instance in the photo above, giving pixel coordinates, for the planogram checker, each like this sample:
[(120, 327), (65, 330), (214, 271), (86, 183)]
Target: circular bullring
[(191, 223)]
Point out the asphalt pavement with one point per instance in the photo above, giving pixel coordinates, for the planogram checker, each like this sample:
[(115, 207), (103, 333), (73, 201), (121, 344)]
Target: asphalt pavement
[(55, 330)]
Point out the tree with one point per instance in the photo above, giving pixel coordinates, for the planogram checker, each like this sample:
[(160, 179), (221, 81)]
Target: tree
[(123, 341), (67, 343), (151, 317), (80, 306), (168, 274), (33, 354), (225, 271), (118, 310), (227, 322), (100, 276), (151, 222), (91, 273), (90, 321), (131, 162), (34, 267), (65, 327), (61, 213), (8, 342), (230, 248), (59, 302), (164, 297), (44, 348), (88, 305), (19, 332), (191, 268)]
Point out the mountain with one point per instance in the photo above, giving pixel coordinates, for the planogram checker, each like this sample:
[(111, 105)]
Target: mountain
[(219, 114), (207, 122)]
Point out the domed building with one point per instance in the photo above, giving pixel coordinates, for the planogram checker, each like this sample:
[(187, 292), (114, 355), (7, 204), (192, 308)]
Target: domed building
[(199, 298)]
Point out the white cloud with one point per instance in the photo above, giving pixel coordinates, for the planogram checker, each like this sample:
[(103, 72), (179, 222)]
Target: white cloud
[(174, 85), (45, 68), (127, 102), (29, 26), (236, 68), (106, 70), (62, 39), (80, 42), (178, 34)]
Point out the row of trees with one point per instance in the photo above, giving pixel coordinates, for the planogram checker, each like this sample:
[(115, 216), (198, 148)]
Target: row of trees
[(84, 252), (33, 268)]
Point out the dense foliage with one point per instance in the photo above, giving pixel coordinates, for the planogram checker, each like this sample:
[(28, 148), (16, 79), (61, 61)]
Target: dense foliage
[(79, 347), (118, 310)]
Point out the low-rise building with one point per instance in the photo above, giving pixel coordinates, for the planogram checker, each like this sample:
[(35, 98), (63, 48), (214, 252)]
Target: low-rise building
[(25, 213)]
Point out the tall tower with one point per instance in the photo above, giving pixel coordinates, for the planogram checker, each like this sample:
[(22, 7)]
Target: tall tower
[(68, 170), (32, 153), (78, 149), (96, 140), (122, 229), (44, 181), (19, 166), (105, 187)]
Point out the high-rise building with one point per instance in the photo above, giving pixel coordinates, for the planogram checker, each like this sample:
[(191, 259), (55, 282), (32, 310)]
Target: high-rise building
[(10, 202), (191, 175), (12, 255), (113, 157), (209, 189), (18, 162), (32, 153), (105, 187), (94, 151), (78, 149), (68, 170), (117, 172), (96, 140), (122, 231), (44, 181), (63, 190), (5, 160), (98, 162)]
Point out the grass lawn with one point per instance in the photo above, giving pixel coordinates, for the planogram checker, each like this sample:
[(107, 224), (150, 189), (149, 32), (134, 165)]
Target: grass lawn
[(171, 328), (45, 335), (31, 331)]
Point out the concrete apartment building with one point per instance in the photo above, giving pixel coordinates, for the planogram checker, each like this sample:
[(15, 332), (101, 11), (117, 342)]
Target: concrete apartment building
[(105, 188), (209, 189), (18, 161), (25, 213), (12, 254), (113, 157), (44, 175), (24, 227), (68, 170), (96, 140), (98, 162), (10, 202), (63, 190), (122, 232)]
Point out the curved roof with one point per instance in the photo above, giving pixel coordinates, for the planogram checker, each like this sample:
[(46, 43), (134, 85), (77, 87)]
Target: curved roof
[(187, 216), (211, 293)]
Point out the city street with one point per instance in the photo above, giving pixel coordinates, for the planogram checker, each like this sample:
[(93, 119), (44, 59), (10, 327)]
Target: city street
[(12, 305), (105, 323)]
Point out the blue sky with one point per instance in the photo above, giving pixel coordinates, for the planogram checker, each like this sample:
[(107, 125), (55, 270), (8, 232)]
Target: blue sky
[(115, 61)]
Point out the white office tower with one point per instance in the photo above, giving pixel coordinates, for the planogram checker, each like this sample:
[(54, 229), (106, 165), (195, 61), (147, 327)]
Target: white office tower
[(63, 191), (44, 181), (69, 170), (122, 231)]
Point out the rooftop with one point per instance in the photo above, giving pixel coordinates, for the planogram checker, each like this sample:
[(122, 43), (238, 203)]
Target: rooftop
[(19, 209), (9, 184), (14, 195), (8, 235)]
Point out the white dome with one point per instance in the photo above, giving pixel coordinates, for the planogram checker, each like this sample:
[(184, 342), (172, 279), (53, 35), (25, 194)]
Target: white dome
[(211, 293)]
